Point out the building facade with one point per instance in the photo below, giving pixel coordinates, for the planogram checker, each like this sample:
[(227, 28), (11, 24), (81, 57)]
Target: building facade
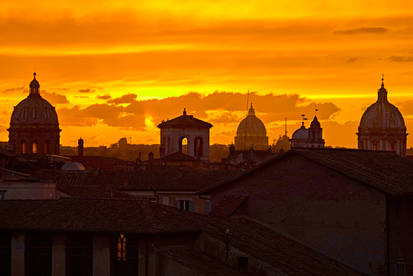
[(34, 126), (382, 126), (308, 138), (185, 127)]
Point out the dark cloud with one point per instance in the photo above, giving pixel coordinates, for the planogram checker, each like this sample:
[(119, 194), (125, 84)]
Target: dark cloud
[(363, 30), (54, 98), (103, 97), (90, 89), (14, 89), (352, 60), (401, 58), (87, 90), (128, 98), (406, 107)]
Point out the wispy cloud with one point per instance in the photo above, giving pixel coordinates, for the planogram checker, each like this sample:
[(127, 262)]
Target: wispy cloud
[(362, 30)]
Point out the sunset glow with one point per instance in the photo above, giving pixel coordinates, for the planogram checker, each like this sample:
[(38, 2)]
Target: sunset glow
[(118, 69)]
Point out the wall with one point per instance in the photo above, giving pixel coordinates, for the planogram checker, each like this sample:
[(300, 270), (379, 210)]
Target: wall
[(400, 235), (176, 134), (318, 207), (28, 190)]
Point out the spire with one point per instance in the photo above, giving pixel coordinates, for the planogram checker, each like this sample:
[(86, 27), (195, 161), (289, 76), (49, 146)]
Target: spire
[(285, 130), (251, 111), (303, 118), (184, 111), (382, 93), (34, 86)]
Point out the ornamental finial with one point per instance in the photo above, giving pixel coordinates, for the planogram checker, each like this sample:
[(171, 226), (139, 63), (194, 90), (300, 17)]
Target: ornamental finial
[(382, 80)]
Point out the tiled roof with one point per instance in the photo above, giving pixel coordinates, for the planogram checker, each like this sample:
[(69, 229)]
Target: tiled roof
[(200, 263), (184, 121), (286, 256), (114, 184), (228, 205), (92, 215), (102, 162), (382, 170)]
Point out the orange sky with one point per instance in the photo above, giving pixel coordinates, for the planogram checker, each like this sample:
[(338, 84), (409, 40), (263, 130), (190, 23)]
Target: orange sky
[(118, 68)]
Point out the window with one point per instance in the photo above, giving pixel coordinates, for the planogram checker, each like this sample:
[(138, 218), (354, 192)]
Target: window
[(185, 204), (207, 206), (183, 145), (243, 264), (34, 147), (2, 194), (165, 200), (23, 147), (121, 253)]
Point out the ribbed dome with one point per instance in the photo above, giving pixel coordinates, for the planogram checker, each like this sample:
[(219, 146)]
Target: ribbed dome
[(301, 133), (34, 110), (382, 114), (251, 125)]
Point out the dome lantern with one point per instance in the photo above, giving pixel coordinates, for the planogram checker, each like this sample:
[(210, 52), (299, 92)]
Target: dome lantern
[(34, 86)]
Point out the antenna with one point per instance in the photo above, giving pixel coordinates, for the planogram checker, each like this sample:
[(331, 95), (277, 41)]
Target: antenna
[(248, 97), (303, 118), (285, 131), (316, 110)]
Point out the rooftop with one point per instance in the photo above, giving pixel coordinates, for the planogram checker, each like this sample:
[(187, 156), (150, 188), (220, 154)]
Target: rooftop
[(382, 170), (185, 121)]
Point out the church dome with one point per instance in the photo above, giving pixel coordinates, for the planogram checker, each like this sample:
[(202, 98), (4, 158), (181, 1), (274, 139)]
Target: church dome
[(34, 110), (251, 125), (382, 115), (300, 134)]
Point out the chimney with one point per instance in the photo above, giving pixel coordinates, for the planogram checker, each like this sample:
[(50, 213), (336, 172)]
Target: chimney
[(80, 147)]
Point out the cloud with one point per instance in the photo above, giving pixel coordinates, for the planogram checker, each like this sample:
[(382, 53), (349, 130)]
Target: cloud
[(87, 90), (54, 98), (14, 89), (128, 98), (103, 97), (352, 60), (363, 30), (110, 115), (406, 107), (218, 107), (401, 58)]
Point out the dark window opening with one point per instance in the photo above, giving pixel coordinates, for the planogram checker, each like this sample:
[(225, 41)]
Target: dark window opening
[(79, 254), (39, 254), (198, 147), (185, 204), (5, 253), (243, 264)]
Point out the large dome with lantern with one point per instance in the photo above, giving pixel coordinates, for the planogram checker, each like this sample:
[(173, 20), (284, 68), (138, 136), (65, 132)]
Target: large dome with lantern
[(251, 133), (34, 125), (382, 126)]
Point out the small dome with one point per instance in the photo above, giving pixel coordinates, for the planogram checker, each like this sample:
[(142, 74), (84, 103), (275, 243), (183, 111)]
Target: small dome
[(382, 114), (251, 125), (300, 134), (73, 166)]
